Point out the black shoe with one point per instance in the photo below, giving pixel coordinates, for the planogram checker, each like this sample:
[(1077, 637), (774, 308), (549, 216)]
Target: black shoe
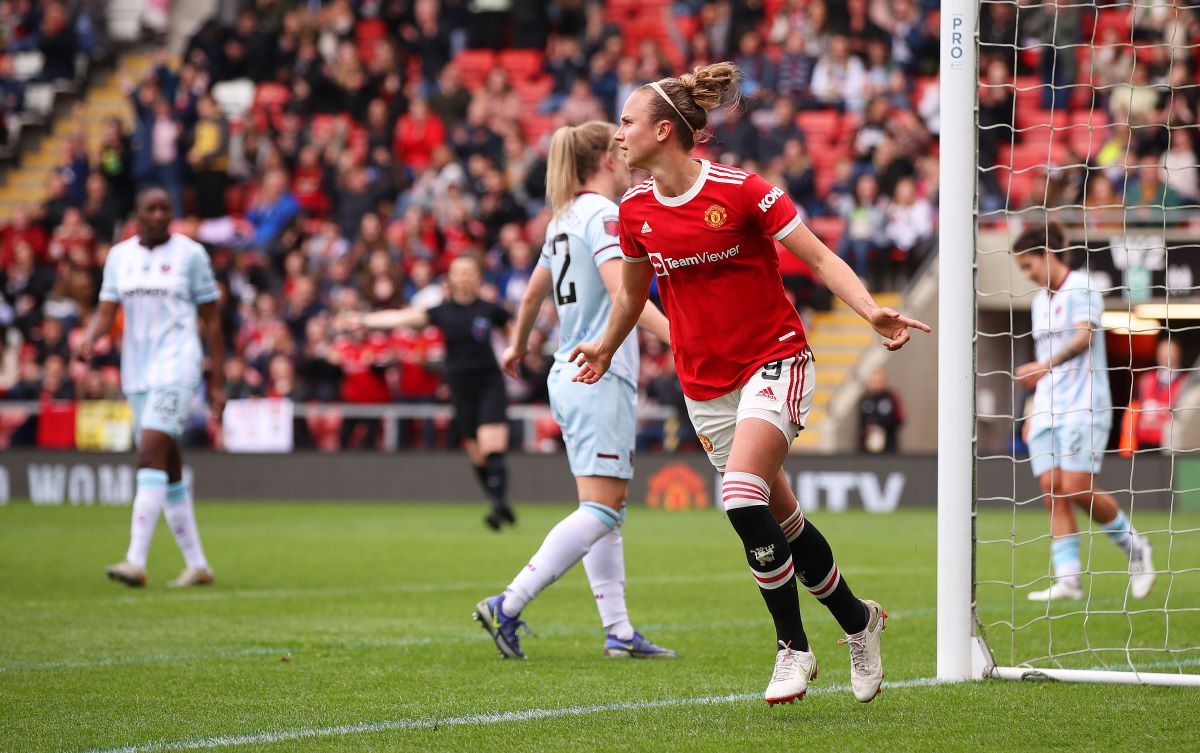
[(493, 521), (506, 514)]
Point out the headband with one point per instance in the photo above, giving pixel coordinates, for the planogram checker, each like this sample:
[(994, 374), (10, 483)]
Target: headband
[(654, 85)]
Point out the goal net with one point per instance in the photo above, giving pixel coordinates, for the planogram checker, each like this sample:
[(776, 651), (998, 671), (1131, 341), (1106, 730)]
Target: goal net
[(1084, 119)]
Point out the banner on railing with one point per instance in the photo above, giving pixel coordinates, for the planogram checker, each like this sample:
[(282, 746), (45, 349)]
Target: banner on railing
[(258, 425), (103, 425)]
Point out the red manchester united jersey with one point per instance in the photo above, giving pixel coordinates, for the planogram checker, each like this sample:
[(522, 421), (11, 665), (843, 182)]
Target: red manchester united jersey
[(713, 251)]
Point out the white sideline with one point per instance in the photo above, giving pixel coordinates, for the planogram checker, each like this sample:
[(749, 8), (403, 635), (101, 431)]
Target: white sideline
[(342, 730)]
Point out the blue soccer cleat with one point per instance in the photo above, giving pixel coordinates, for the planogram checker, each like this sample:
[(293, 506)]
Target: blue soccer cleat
[(501, 627), (636, 647)]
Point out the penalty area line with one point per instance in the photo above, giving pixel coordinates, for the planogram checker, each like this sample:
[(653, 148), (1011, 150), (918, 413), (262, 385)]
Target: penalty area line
[(363, 728)]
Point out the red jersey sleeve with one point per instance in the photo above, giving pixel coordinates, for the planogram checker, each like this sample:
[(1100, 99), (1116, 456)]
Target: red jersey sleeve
[(631, 247), (770, 207)]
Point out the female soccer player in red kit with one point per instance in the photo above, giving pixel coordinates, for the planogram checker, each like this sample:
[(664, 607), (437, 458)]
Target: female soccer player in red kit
[(740, 350)]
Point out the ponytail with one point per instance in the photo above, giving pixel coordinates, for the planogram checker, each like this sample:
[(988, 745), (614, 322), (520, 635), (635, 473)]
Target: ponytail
[(573, 158)]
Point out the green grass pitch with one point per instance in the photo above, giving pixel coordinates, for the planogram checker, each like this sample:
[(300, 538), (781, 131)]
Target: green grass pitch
[(373, 603)]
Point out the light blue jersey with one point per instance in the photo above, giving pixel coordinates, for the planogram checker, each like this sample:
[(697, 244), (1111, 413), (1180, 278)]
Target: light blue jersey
[(599, 421), (159, 289), (1072, 406), (580, 239), (1075, 392)]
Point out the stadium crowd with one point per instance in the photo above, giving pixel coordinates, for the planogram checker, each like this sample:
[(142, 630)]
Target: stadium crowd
[(338, 155)]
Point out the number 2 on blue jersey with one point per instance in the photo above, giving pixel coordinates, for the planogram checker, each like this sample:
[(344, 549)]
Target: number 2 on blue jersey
[(569, 297)]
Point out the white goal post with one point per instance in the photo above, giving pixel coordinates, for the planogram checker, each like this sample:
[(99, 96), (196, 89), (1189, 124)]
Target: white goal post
[(1169, 629)]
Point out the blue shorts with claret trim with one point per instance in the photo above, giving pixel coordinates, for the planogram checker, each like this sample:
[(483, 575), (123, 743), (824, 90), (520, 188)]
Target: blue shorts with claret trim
[(1077, 448), (598, 421), (162, 409)]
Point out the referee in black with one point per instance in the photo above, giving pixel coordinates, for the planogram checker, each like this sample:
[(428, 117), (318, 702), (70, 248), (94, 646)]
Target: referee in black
[(472, 373)]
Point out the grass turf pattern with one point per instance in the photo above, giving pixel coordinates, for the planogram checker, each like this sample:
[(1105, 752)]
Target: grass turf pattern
[(373, 603)]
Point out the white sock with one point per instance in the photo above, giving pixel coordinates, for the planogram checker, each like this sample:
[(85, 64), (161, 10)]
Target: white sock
[(1064, 552), (605, 566), (565, 545), (147, 504), (181, 517)]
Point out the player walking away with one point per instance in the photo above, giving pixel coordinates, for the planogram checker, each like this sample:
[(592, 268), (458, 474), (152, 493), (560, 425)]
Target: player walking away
[(476, 384), (740, 350), (163, 281), (1070, 420), (579, 266)]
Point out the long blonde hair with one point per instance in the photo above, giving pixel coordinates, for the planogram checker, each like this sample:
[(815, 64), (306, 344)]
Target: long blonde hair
[(574, 157), (692, 96)]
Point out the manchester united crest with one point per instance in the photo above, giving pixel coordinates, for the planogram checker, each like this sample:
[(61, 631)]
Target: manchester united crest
[(705, 442), (715, 216)]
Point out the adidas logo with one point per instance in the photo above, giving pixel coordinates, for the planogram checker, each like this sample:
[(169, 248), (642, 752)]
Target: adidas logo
[(768, 393), (645, 227)]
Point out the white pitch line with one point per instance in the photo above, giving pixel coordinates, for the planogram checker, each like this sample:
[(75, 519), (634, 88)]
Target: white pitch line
[(362, 728)]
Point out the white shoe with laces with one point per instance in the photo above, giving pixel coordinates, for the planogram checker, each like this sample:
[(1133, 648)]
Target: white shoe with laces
[(794, 670), (1064, 588), (1141, 569), (866, 657)]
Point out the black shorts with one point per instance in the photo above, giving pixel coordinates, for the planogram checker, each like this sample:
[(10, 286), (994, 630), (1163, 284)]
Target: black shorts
[(477, 403)]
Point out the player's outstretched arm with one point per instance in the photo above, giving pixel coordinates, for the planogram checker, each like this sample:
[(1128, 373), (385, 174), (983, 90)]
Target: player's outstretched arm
[(651, 320), (518, 344), (628, 305), (891, 325), (210, 320), (100, 325), (412, 317)]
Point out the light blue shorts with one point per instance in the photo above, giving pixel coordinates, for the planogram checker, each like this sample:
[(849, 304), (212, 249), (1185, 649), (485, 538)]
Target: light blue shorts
[(162, 409), (1070, 448), (598, 421)]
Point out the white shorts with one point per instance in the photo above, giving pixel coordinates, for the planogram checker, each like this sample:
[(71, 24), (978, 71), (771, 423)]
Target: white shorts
[(780, 393), (162, 409), (598, 421), (1071, 448)]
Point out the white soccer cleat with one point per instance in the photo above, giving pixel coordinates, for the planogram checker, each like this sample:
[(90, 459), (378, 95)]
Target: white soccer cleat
[(1141, 570), (127, 573), (192, 576), (866, 658), (1061, 589), (794, 670)]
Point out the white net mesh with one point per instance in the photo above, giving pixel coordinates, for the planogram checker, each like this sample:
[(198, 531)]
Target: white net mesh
[(1087, 118)]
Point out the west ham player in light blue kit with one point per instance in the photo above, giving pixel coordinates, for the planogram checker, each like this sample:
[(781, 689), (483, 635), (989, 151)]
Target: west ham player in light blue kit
[(1068, 426), (163, 281), (580, 267)]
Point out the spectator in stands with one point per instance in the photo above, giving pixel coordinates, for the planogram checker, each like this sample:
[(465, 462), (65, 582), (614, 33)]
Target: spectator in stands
[(776, 126), (1158, 392), (57, 42), (909, 226), (1148, 200), (580, 105), (21, 229), (209, 158), (799, 178), (758, 72), (1180, 171), (164, 133), (418, 132), (880, 416), (241, 383), (795, 70), (1056, 31), (100, 208), (449, 102), (273, 210), (865, 235), (839, 78), (597, 29), (74, 170)]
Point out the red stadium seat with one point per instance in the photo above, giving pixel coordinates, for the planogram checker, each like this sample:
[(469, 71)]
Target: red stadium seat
[(820, 126), (474, 66), (522, 64)]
